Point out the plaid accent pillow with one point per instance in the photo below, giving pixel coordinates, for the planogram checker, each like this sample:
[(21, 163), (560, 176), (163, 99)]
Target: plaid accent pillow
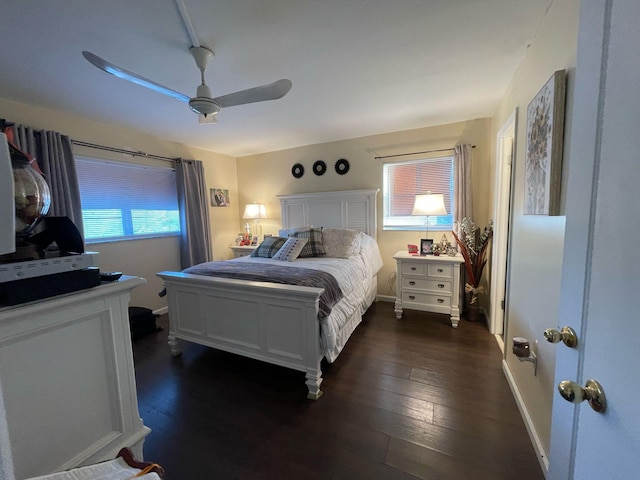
[(314, 247), (288, 232), (269, 247), (291, 249)]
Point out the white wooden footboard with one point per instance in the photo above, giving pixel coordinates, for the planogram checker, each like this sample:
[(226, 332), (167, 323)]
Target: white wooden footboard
[(270, 322)]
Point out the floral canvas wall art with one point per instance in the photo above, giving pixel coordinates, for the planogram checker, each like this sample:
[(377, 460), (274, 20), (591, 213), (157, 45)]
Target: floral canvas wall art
[(543, 162)]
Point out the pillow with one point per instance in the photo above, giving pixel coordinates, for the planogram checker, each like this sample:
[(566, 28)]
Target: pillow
[(340, 242), (291, 249), (269, 247), (288, 232), (314, 247)]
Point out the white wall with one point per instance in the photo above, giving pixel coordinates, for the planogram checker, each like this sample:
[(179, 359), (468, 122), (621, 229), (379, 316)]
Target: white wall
[(143, 258), (536, 245)]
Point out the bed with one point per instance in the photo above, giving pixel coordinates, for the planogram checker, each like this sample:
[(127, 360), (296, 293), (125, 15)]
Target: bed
[(278, 323)]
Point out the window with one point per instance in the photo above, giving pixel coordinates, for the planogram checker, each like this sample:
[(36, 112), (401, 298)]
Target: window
[(121, 201), (402, 181)]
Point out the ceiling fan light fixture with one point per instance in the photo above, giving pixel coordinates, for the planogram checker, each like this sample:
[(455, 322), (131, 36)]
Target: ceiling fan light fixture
[(204, 105)]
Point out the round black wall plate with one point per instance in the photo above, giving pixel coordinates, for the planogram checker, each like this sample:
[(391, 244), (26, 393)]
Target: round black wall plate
[(319, 167), (297, 170), (342, 166)]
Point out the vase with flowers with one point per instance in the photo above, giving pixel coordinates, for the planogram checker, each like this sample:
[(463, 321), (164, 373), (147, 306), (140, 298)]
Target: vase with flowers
[(473, 243)]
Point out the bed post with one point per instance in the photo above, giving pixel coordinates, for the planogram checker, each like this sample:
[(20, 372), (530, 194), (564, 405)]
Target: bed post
[(314, 379), (312, 355), (175, 345)]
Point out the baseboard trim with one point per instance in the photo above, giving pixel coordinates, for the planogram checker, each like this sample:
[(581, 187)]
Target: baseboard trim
[(161, 311), (543, 458), (500, 342), (385, 298)]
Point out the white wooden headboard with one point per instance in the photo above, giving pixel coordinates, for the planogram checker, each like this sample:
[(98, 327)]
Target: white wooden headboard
[(354, 209)]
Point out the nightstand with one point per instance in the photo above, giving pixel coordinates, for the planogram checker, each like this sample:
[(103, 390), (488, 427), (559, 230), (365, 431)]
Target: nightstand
[(243, 251), (429, 283)]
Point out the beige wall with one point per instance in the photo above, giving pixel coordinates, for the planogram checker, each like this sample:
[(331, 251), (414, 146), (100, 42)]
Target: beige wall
[(537, 241), (262, 177), (145, 257)]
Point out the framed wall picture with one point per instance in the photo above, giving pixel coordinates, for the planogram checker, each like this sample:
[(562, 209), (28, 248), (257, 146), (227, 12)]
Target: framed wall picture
[(426, 246), (543, 161), (219, 197)]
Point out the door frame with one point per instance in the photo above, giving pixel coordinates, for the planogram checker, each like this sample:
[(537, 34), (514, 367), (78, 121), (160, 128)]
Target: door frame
[(505, 150)]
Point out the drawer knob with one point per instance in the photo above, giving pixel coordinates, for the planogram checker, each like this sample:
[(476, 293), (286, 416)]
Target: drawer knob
[(441, 285), (412, 283), (412, 297), (413, 268), (440, 270), (440, 300)]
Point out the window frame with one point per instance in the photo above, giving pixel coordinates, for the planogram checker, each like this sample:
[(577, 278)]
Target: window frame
[(418, 223)]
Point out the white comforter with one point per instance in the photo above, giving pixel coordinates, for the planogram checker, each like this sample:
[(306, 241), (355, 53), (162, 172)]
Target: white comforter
[(354, 276)]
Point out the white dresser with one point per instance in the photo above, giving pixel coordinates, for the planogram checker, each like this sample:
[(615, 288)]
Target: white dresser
[(429, 283), (67, 385)]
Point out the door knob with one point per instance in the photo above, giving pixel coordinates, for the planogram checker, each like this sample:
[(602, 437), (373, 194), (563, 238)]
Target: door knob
[(566, 334), (592, 393)]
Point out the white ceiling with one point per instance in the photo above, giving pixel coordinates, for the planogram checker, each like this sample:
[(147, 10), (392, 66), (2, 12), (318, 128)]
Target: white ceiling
[(358, 67)]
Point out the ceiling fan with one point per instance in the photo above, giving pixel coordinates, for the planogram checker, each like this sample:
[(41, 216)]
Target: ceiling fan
[(204, 104)]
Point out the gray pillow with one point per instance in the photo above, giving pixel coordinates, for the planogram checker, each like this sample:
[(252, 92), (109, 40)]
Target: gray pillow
[(340, 242)]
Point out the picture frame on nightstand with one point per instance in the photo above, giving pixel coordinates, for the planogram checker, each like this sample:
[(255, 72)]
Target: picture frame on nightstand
[(426, 246)]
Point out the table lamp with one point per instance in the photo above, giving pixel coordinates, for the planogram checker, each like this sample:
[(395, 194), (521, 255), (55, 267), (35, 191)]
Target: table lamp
[(255, 211)]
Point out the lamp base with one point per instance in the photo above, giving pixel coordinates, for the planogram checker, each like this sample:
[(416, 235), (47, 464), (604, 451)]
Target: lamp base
[(257, 230)]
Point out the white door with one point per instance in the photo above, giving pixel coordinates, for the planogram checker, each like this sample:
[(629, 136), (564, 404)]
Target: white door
[(601, 269)]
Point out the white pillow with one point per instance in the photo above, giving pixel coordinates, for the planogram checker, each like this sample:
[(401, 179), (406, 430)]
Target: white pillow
[(291, 249), (286, 232), (340, 242)]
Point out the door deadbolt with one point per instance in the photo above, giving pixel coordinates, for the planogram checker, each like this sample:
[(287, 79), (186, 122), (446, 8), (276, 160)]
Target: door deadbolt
[(566, 334), (592, 393)]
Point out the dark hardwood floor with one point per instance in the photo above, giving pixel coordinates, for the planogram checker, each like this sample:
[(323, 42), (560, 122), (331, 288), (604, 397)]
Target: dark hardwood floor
[(406, 399)]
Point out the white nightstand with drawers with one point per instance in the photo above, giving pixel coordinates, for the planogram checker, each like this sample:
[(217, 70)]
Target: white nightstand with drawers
[(429, 283), (242, 251)]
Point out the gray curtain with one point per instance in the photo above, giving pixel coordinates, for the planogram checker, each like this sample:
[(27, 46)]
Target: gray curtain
[(195, 237), (463, 190), (52, 152), (463, 205)]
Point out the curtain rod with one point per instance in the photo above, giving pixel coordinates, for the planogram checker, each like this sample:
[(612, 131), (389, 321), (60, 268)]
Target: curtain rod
[(122, 150), (417, 153)]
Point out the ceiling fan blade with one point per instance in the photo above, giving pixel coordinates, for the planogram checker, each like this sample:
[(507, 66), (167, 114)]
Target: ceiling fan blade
[(272, 91), (108, 67)]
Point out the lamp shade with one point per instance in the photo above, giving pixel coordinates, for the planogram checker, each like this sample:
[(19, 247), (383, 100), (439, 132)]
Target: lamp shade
[(431, 204), (255, 210)]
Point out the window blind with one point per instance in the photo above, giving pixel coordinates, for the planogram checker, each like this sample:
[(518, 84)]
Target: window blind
[(402, 181), (123, 201)]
